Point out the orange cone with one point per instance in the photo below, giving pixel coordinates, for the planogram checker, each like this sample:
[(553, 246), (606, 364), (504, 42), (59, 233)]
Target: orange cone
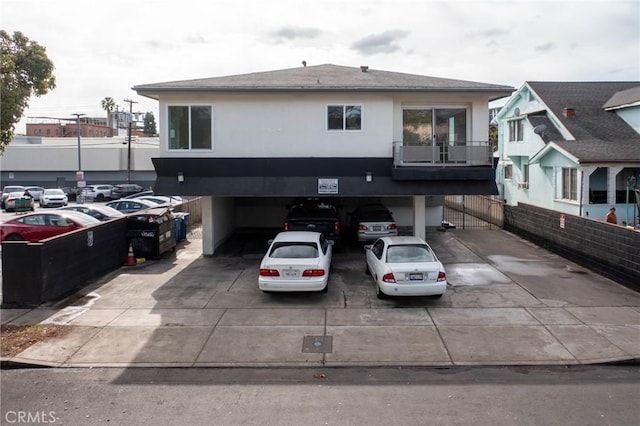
[(131, 260)]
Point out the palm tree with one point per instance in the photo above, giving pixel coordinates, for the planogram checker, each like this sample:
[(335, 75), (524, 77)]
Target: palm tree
[(108, 104)]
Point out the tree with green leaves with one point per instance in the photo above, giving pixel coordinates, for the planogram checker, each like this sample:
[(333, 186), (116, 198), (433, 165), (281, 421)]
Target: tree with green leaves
[(25, 71), (108, 104), (149, 124)]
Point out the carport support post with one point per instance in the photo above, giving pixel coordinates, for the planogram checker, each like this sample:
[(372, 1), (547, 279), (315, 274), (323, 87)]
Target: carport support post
[(419, 216), (207, 226)]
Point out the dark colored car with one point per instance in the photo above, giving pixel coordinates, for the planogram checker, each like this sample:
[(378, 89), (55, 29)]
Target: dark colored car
[(314, 215), (34, 227), (125, 189), (72, 193)]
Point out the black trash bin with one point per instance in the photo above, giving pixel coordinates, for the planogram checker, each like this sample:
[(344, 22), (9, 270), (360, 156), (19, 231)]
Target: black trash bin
[(151, 232)]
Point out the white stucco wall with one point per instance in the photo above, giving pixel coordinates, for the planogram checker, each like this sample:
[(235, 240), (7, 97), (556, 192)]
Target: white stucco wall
[(294, 125)]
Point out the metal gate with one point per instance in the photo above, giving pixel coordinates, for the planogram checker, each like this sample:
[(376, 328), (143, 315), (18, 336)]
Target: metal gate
[(472, 212)]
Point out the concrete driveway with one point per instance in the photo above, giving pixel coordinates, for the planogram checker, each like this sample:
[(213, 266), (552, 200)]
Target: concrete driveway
[(509, 303)]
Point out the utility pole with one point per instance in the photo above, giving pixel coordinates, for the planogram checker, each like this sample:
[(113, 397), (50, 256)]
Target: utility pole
[(130, 102), (78, 132)]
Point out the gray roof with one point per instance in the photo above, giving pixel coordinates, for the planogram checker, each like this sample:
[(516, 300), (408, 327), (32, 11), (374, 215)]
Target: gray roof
[(623, 98), (600, 136), (324, 78)]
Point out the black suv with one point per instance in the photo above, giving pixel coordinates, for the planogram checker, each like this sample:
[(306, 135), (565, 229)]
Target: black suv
[(125, 189), (314, 215)]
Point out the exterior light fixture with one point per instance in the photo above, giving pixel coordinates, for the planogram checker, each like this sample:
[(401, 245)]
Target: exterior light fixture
[(369, 177), (180, 177)]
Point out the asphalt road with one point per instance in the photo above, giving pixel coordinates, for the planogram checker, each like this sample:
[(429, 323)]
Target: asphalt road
[(586, 395)]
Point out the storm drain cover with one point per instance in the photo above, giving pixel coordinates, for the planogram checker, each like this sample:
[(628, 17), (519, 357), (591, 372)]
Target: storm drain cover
[(317, 344)]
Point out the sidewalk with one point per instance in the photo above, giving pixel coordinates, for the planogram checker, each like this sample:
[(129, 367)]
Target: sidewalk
[(509, 303)]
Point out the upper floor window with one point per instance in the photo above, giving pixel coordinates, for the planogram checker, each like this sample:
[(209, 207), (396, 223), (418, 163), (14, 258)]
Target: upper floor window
[(516, 130), (190, 127), (508, 171), (570, 183), (344, 117)]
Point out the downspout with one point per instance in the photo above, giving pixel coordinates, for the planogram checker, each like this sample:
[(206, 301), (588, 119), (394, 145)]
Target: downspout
[(581, 189)]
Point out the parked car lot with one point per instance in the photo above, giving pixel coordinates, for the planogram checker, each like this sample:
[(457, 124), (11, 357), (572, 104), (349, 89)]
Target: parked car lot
[(7, 190), (53, 197), (17, 201), (125, 189), (131, 205), (35, 191), (100, 212), (296, 261), (373, 221), (405, 266), (317, 215), (97, 192), (41, 225)]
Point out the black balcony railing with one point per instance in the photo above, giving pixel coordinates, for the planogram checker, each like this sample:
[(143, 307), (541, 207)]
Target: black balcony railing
[(476, 153)]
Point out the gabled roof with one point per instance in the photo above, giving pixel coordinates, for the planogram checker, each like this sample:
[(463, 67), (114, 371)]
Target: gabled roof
[(600, 135), (624, 98), (324, 78)]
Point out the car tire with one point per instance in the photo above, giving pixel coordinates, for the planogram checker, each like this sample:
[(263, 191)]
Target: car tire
[(366, 269), (379, 293), (325, 289), (99, 197), (14, 237)]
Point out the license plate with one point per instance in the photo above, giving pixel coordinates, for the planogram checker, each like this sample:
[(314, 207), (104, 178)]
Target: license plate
[(415, 277), (377, 228), (291, 273)]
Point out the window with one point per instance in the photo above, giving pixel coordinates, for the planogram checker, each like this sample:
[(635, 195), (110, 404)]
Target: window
[(569, 184), (516, 129), (344, 117), (190, 127), (508, 171)]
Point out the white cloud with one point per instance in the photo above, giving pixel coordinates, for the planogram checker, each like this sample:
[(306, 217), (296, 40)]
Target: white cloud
[(105, 48)]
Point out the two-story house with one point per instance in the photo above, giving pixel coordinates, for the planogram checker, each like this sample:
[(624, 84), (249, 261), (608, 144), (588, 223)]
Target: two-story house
[(572, 147), (251, 143)]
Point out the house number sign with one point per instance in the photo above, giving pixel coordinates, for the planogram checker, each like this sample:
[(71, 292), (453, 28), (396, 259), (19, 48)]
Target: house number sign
[(327, 186)]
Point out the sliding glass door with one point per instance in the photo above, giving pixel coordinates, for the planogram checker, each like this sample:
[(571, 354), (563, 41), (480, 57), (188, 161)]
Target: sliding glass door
[(440, 129)]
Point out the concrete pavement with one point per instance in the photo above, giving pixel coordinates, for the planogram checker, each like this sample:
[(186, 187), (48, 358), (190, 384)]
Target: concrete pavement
[(509, 302)]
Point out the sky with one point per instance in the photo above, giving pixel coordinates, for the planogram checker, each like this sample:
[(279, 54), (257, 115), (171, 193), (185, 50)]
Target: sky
[(104, 48)]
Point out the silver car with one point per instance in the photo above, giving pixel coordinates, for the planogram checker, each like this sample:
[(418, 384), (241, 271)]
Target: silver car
[(373, 221)]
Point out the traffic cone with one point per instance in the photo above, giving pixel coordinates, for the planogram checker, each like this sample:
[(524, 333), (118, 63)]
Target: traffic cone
[(131, 260)]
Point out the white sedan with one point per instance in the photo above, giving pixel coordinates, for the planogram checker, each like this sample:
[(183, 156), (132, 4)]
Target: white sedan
[(405, 266), (296, 261)]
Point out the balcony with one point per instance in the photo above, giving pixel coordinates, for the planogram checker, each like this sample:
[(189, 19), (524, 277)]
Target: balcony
[(472, 153)]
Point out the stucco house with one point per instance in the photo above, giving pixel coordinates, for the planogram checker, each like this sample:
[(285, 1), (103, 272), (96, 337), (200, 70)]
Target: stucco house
[(251, 143), (572, 147)]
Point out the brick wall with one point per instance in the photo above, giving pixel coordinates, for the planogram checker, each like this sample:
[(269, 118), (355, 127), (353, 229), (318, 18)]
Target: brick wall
[(611, 250)]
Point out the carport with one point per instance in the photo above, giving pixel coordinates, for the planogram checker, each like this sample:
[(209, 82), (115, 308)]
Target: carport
[(254, 192)]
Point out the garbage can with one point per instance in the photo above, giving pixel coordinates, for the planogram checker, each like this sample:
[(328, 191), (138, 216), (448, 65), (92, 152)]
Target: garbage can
[(151, 232), (182, 225)]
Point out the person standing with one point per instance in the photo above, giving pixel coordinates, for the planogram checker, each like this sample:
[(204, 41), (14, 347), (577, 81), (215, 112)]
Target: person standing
[(611, 216)]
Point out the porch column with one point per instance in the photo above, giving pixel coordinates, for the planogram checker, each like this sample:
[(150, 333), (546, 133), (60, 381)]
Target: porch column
[(207, 226), (611, 184), (586, 186), (419, 216)]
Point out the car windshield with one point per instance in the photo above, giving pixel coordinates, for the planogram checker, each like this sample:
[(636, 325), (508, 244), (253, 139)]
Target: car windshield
[(409, 254), (294, 250), (53, 192)]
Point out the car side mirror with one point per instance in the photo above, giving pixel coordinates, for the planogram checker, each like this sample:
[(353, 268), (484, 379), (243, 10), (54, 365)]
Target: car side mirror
[(270, 242), (331, 242), (367, 247)]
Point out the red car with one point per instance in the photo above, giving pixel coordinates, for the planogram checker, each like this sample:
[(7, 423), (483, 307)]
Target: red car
[(39, 226)]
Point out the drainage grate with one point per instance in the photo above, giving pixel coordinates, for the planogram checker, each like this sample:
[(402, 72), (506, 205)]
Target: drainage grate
[(317, 344)]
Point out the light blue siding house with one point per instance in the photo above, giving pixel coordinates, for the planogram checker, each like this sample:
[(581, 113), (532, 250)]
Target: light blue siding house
[(572, 147)]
